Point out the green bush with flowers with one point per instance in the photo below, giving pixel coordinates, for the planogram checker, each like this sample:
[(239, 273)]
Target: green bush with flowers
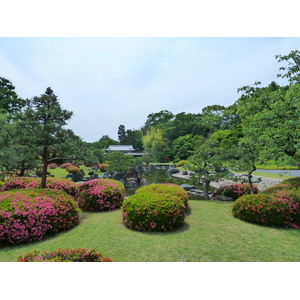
[(17, 183), (102, 167), (237, 190), (154, 211), (169, 188), (51, 183), (28, 215), (280, 209), (100, 195), (73, 169), (64, 255)]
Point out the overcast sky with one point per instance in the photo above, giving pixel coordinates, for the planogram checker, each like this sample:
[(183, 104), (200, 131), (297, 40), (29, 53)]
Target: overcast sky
[(107, 82)]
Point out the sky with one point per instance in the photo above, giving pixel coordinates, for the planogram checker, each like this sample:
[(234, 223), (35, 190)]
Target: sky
[(112, 81)]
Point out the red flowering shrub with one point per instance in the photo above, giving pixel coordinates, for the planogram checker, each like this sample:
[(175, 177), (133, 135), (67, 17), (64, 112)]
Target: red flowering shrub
[(65, 165), (102, 167), (56, 184), (17, 183), (277, 187), (52, 166), (294, 182), (237, 190), (171, 188), (64, 255), (154, 211), (31, 214), (100, 195), (282, 209)]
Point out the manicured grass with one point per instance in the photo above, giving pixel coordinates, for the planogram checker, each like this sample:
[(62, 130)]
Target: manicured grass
[(59, 172), (210, 234), (271, 175)]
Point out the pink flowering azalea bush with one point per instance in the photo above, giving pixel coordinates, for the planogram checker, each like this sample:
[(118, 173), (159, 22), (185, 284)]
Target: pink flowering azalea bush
[(64, 255), (52, 166), (28, 215), (100, 195), (280, 209), (17, 183), (66, 165), (51, 183), (237, 190), (154, 211)]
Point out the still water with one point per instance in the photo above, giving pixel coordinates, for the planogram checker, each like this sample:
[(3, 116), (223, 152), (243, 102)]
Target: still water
[(283, 172), (163, 177)]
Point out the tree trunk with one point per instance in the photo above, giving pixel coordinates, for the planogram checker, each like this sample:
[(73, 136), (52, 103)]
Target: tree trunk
[(206, 189), (250, 180), (45, 165)]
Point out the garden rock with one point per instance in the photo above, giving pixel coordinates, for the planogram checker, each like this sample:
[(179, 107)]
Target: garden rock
[(222, 198), (188, 187)]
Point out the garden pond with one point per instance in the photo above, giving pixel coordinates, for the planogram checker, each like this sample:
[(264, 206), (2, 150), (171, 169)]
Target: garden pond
[(160, 176)]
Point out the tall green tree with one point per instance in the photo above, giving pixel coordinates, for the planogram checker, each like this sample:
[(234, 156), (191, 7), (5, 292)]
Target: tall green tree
[(121, 134), (40, 127), (10, 102), (156, 144)]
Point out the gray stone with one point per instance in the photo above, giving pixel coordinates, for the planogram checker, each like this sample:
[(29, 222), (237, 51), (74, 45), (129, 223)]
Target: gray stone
[(222, 198), (188, 187)]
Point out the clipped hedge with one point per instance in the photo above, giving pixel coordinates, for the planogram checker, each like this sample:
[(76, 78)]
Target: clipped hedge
[(237, 190), (150, 210), (100, 195), (64, 255), (170, 188), (28, 215), (280, 209)]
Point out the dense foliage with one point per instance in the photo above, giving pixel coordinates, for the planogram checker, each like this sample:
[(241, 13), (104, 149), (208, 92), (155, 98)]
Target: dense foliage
[(237, 190), (169, 188), (100, 195), (160, 210), (51, 183), (280, 209), (28, 215), (64, 255)]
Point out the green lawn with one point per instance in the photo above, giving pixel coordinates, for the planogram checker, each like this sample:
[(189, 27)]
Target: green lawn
[(210, 234)]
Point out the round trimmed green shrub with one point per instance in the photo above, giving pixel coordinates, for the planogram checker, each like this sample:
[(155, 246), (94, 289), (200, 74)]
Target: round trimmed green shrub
[(64, 255), (100, 195), (149, 210), (28, 215), (237, 190), (280, 209), (170, 188)]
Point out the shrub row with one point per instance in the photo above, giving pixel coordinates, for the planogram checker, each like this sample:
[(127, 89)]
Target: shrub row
[(237, 190), (156, 207)]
